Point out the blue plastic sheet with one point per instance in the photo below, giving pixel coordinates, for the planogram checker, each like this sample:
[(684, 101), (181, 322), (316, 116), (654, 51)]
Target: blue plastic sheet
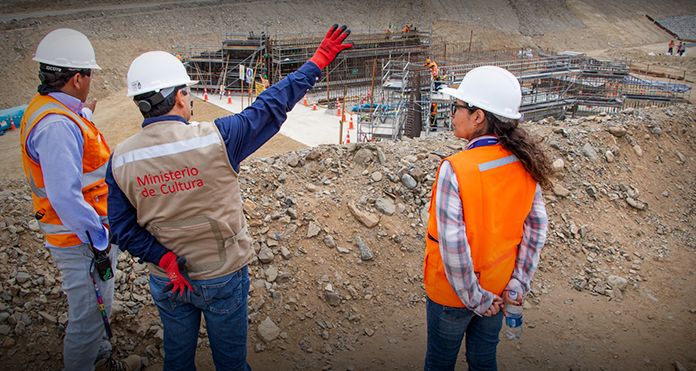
[(15, 113)]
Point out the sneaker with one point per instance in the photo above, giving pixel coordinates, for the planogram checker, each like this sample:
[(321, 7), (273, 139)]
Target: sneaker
[(132, 363)]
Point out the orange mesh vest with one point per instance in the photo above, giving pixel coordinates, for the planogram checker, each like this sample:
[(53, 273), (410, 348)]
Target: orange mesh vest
[(497, 195), (94, 159)]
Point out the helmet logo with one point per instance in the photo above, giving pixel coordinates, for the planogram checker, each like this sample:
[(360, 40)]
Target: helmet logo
[(136, 85)]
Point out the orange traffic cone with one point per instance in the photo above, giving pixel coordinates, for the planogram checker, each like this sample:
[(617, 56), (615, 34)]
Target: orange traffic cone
[(350, 126), (205, 94), (347, 138), (229, 97), (304, 101), (368, 93), (12, 127), (338, 108), (314, 106)]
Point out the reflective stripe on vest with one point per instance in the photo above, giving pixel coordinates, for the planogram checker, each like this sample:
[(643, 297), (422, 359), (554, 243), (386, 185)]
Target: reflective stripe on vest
[(497, 194), (87, 180), (164, 150), (94, 163)]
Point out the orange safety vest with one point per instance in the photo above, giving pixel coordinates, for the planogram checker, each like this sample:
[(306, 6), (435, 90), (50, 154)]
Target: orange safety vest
[(497, 195), (94, 160), (434, 70)]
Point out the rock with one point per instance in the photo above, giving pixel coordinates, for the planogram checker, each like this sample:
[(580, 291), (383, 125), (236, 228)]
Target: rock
[(329, 241), (638, 150), (558, 165), (293, 159), (385, 205), (271, 273), (365, 218), (268, 330), (408, 181), (682, 158), (369, 331), (617, 282), (376, 176), (332, 298), (678, 366), (560, 190), (617, 131), (23, 277), (285, 253), (8, 343), (635, 203), (313, 229), (265, 255), (365, 252), (363, 156), (609, 155), (49, 318), (590, 152)]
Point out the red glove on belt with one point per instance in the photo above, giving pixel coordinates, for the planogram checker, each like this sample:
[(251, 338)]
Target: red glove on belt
[(331, 46), (179, 280)]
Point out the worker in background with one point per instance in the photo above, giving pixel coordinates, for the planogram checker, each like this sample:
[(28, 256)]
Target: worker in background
[(389, 29), (178, 55), (434, 70), (408, 27), (433, 116), (64, 157), (175, 202), (487, 222), (670, 47)]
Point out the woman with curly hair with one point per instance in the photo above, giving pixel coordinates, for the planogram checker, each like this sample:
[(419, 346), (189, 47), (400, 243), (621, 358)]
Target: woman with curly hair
[(487, 222)]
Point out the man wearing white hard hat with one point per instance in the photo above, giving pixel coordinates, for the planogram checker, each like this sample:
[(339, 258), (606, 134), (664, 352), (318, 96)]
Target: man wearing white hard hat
[(175, 202), (487, 222), (64, 157)]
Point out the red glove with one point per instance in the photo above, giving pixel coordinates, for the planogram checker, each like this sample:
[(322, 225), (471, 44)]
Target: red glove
[(179, 280), (331, 46)]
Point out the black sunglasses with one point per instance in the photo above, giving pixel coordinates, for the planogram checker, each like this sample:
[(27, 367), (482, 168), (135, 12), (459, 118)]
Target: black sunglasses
[(453, 108)]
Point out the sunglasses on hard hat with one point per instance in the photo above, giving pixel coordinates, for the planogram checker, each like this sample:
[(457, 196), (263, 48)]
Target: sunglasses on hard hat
[(453, 108)]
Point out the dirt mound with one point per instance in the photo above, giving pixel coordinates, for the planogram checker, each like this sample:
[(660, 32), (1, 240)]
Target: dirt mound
[(339, 234)]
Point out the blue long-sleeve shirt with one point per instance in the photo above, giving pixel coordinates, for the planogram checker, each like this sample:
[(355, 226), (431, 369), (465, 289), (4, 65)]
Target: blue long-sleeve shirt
[(56, 143), (242, 133)]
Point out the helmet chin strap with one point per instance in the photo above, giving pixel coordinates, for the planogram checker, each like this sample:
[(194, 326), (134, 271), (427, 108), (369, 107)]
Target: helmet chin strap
[(146, 105)]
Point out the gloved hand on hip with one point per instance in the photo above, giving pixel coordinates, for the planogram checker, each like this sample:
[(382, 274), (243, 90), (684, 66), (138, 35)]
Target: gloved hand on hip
[(331, 46), (179, 280)]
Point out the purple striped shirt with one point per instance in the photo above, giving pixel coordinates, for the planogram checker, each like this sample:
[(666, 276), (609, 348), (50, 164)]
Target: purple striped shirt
[(456, 252)]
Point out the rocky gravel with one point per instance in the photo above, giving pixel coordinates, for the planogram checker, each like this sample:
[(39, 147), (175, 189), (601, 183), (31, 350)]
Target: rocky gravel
[(339, 235)]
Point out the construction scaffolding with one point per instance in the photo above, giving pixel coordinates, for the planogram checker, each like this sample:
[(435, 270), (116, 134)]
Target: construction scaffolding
[(272, 58), (383, 78)]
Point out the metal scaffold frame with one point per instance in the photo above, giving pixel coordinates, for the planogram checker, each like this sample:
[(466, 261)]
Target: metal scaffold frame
[(383, 78)]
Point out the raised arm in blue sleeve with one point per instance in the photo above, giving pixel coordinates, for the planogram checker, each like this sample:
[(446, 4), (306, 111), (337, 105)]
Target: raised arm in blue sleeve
[(248, 130), (125, 230)]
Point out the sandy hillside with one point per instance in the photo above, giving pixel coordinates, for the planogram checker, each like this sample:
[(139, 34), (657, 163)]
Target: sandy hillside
[(615, 282)]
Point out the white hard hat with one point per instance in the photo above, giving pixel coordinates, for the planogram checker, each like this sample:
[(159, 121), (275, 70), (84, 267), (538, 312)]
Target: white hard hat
[(491, 89), (66, 48), (154, 71)]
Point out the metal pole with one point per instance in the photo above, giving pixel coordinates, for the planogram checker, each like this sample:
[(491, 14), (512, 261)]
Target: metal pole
[(372, 90)]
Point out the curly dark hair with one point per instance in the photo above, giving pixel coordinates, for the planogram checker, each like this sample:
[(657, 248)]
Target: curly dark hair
[(522, 145)]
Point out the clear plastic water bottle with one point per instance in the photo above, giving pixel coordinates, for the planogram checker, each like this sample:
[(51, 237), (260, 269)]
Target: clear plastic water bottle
[(513, 322)]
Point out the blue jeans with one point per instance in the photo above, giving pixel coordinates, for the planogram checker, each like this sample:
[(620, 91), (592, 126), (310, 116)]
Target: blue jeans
[(223, 302), (446, 329), (85, 339)]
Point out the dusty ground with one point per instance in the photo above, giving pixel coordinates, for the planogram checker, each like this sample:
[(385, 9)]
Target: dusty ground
[(572, 322)]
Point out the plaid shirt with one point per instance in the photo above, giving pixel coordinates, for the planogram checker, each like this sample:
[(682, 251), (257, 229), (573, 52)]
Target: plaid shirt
[(456, 253)]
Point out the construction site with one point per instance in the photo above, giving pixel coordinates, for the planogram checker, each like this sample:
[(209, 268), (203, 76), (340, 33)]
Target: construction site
[(385, 79), (602, 95)]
